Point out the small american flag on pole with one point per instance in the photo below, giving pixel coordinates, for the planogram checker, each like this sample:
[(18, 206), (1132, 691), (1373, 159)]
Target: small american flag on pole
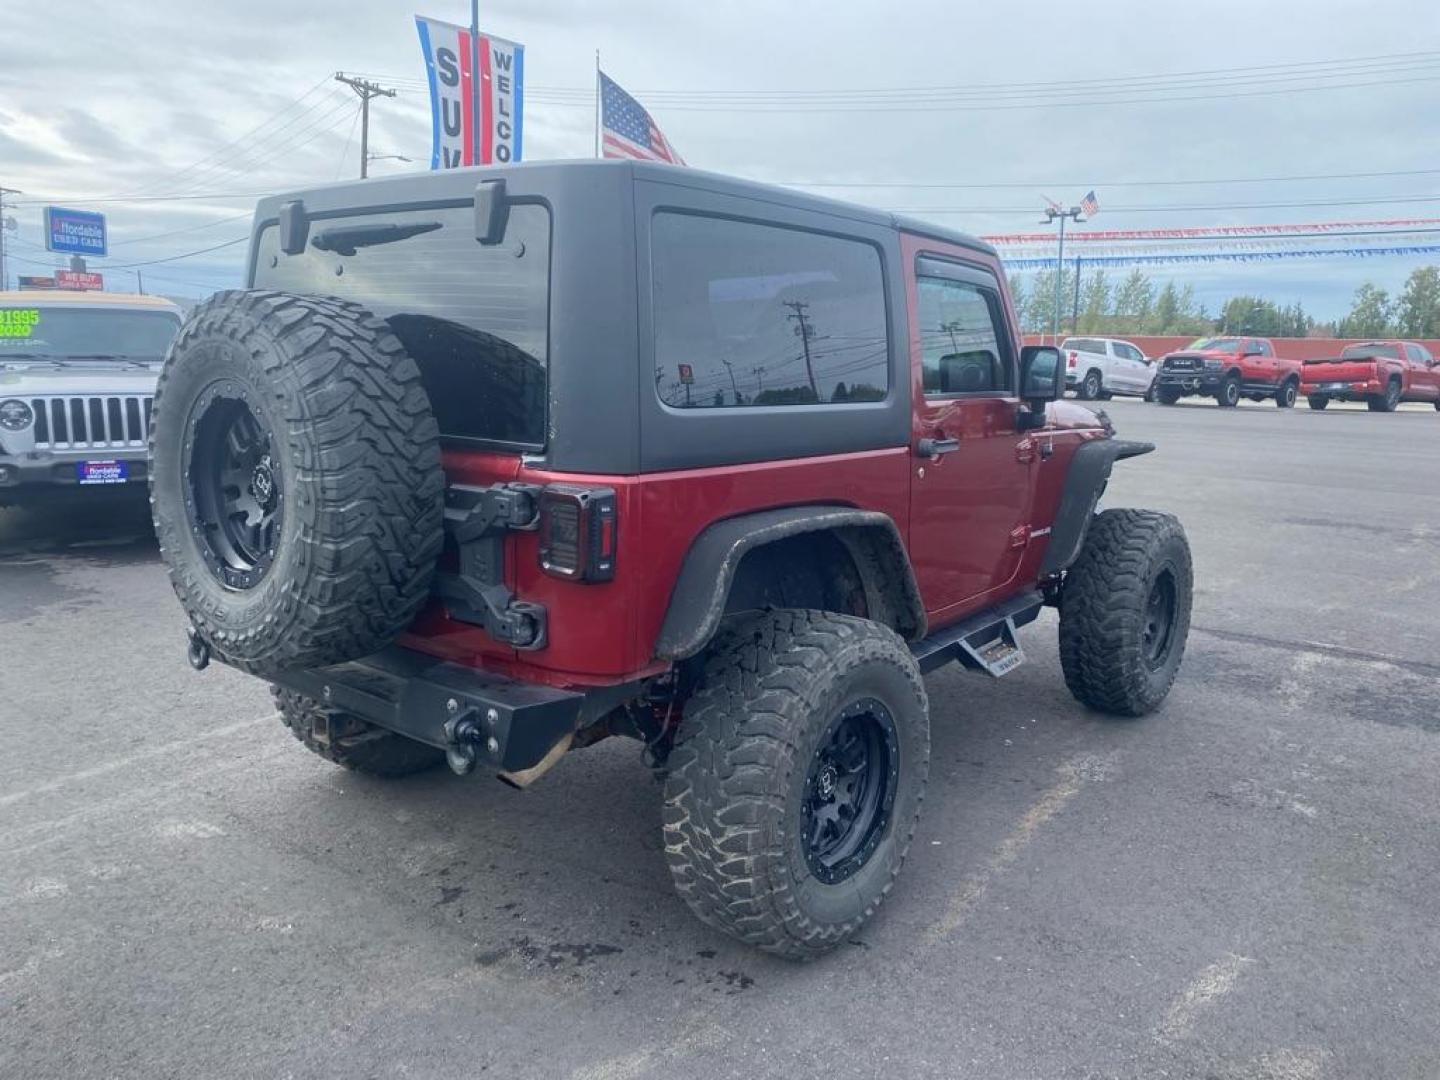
[(1089, 205), (627, 130)]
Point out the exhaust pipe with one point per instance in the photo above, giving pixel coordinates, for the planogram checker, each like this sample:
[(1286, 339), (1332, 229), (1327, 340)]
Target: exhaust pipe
[(523, 778)]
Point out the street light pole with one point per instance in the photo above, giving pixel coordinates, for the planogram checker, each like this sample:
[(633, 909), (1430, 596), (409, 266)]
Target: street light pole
[(4, 273), (1051, 214)]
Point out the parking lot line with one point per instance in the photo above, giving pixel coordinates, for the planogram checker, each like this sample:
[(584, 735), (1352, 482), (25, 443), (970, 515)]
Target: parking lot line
[(1214, 982), (1075, 772)]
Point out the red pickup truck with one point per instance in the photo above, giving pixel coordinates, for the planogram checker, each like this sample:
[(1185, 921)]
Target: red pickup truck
[(1228, 368), (1380, 373)]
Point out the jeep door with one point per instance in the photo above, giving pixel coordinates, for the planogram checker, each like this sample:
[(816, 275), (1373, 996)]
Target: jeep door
[(970, 485)]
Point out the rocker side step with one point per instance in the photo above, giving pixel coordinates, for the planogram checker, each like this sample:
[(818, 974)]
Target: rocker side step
[(985, 642)]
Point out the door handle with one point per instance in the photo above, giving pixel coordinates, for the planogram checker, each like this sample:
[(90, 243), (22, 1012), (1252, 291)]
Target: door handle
[(934, 448)]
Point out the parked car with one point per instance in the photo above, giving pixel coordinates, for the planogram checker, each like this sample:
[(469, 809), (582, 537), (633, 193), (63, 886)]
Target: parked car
[(77, 377), (726, 469), (1227, 369), (1096, 368), (1380, 373)]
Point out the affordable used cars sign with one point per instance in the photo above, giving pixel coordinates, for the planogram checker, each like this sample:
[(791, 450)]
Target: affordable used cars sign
[(75, 232)]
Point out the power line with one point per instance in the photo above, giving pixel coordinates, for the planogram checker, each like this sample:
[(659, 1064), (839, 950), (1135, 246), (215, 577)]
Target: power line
[(899, 184), (1173, 209), (175, 258)]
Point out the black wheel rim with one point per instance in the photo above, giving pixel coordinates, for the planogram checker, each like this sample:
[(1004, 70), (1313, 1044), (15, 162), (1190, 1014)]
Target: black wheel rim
[(1160, 610), (849, 790), (235, 495)]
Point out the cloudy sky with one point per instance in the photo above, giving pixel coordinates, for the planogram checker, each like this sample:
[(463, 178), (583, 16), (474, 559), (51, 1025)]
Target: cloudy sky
[(172, 115)]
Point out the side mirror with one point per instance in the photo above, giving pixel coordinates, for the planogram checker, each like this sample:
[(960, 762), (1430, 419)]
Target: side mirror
[(1040, 375)]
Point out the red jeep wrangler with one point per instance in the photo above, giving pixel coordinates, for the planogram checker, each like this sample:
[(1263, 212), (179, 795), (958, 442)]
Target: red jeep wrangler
[(1227, 369), (1380, 373), (489, 465)]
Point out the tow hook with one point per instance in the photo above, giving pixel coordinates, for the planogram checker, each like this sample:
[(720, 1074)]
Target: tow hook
[(197, 651), (463, 732)]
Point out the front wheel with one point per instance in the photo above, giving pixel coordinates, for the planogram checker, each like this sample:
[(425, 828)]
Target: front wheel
[(1167, 395), (1125, 612), (1319, 401), (1228, 396), (1286, 395), (795, 782)]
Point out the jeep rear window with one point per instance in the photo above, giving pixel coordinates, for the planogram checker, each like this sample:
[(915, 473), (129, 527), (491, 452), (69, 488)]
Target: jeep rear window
[(474, 317), (1365, 352), (760, 315)]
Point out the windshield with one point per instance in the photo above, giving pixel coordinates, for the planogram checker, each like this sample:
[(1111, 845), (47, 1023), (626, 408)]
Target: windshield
[(474, 317), (1367, 352), (1216, 344), (46, 332)]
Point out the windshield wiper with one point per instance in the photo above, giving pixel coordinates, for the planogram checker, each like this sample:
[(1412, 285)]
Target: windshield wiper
[(347, 239)]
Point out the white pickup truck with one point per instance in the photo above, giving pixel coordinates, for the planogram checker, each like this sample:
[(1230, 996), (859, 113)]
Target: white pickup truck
[(1097, 368), (77, 378)]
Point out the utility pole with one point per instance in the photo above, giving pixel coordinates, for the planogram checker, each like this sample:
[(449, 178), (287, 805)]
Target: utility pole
[(1051, 214), (4, 275), (804, 331), (759, 373), (366, 90), (735, 389)]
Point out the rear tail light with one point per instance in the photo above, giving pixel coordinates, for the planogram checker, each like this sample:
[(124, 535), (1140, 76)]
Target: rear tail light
[(1074, 359), (578, 532)]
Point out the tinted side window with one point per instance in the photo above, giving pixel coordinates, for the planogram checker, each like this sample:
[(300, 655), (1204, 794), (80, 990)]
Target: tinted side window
[(1265, 349), (960, 339), (750, 314), (1418, 354), (1084, 345)]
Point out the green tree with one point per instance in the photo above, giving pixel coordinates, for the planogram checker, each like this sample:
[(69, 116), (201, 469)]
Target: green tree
[(1094, 303), (1039, 311), (1254, 315), (1370, 315), (1165, 318), (1133, 301), (1418, 313)]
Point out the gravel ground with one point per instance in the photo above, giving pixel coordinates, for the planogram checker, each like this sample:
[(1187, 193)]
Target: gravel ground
[(1243, 885)]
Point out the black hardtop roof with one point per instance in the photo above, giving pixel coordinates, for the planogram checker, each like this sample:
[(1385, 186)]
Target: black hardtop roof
[(402, 189)]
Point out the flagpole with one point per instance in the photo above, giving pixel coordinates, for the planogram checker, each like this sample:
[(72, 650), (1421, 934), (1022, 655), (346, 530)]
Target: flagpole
[(597, 103), (476, 89)]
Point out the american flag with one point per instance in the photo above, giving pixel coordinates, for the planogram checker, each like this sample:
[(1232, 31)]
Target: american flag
[(1090, 205), (628, 130)]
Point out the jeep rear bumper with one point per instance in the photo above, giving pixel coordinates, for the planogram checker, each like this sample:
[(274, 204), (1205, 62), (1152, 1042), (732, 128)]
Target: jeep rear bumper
[(506, 725)]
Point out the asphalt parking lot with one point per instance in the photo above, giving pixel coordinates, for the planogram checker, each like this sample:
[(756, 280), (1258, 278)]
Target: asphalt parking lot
[(1244, 885)]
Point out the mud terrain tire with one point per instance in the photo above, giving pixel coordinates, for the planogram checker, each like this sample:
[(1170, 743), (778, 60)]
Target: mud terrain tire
[(337, 556), (742, 787), (1288, 392), (349, 741), (1167, 395), (1228, 396), (1125, 612), (1318, 402)]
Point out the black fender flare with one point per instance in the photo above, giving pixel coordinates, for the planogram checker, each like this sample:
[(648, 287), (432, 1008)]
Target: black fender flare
[(697, 602), (1084, 483)]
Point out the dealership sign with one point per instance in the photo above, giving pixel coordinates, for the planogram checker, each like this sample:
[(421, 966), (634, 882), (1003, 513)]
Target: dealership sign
[(75, 232), (476, 95), (78, 279)]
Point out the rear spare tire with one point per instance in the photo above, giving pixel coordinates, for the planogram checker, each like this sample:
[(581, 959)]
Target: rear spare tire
[(295, 479)]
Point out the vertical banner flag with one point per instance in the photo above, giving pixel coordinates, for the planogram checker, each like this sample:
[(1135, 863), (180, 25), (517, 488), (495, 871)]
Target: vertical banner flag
[(458, 135), (627, 130)]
